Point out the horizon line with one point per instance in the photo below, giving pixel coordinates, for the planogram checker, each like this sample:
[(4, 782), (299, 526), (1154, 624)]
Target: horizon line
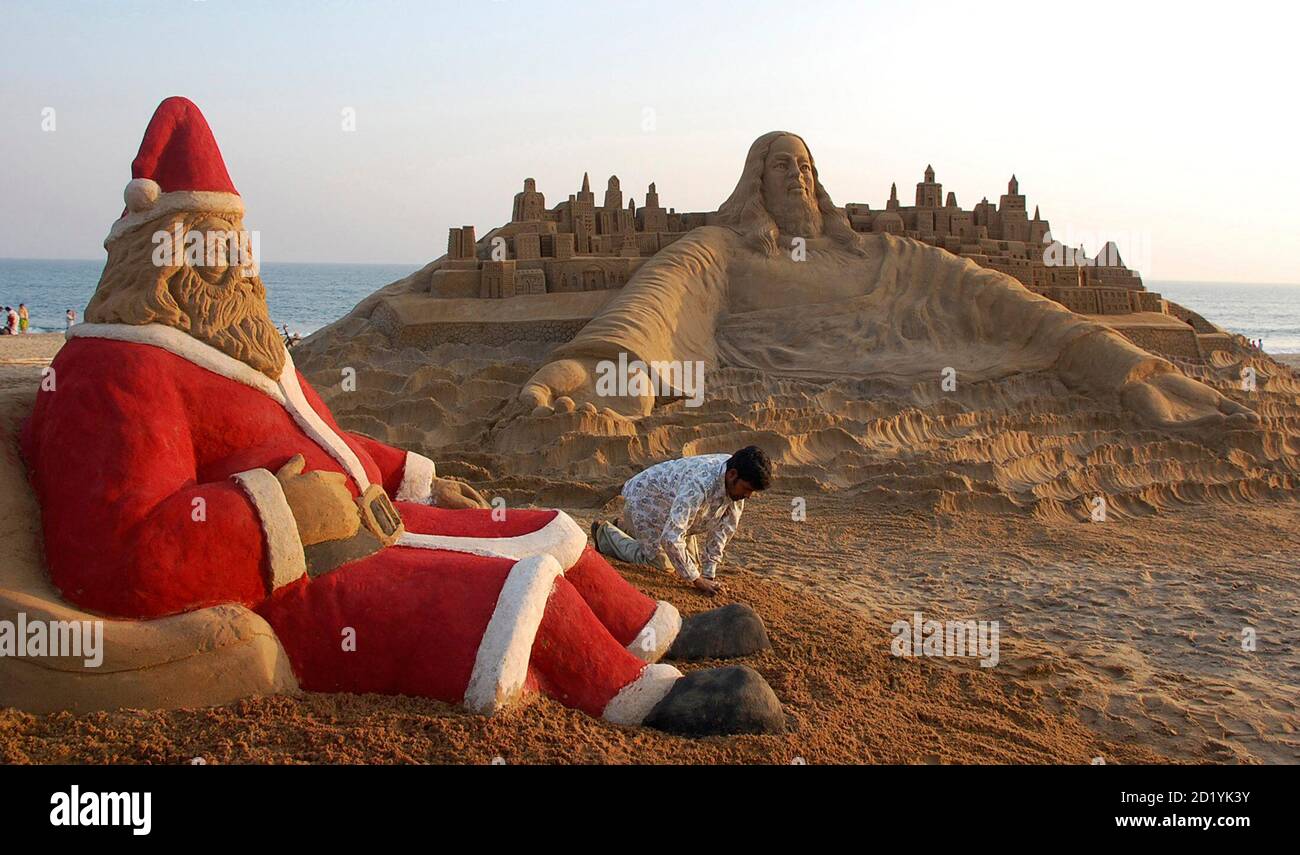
[(422, 263)]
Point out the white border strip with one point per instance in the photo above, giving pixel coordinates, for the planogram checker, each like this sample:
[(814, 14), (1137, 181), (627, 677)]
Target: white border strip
[(561, 538), (316, 428), (501, 664), (283, 544)]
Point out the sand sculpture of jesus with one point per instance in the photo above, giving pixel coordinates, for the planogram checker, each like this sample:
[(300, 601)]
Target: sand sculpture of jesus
[(780, 282)]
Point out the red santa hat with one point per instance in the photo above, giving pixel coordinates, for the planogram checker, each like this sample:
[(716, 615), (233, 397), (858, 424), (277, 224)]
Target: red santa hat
[(179, 168)]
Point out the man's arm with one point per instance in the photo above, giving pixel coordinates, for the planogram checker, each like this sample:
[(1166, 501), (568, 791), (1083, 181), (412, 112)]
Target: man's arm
[(712, 552), (686, 504)]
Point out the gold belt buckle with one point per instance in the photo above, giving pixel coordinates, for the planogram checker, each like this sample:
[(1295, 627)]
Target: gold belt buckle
[(378, 515)]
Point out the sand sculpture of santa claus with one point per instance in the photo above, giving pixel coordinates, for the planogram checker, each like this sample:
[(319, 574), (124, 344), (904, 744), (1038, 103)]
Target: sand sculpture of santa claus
[(181, 461)]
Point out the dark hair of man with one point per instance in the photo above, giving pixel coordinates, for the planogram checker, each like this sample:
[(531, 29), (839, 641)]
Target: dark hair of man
[(753, 466)]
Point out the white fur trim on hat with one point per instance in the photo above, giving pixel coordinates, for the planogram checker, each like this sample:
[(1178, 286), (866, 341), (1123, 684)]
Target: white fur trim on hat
[(659, 633), (145, 202), (635, 700), (501, 664), (283, 545), (417, 479)]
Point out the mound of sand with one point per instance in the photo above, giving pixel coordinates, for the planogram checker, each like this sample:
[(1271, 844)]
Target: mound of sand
[(848, 701), (1021, 444), (1108, 644), (974, 503)]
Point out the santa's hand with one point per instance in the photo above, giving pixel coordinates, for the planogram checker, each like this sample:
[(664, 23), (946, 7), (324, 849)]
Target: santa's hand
[(322, 505), (447, 493)]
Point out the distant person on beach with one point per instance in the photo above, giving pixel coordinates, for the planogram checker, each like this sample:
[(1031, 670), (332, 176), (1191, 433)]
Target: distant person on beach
[(669, 506), (23, 318), (71, 318), (11, 320)]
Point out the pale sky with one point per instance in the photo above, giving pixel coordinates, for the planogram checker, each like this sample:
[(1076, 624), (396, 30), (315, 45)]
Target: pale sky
[(1170, 127)]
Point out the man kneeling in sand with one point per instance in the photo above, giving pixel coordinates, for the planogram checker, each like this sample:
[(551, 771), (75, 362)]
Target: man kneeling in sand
[(669, 506)]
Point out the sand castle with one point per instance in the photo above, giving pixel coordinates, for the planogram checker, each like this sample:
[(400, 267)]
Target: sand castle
[(835, 362), (580, 246)]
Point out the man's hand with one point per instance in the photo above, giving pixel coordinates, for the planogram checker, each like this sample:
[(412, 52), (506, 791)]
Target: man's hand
[(447, 493), (708, 586), (322, 505)]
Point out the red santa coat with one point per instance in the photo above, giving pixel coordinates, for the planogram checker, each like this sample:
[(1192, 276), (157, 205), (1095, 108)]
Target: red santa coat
[(152, 455)]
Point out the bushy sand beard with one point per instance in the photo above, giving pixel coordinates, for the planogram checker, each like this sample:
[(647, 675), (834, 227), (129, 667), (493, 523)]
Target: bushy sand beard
[(229, 313), (797, 217)]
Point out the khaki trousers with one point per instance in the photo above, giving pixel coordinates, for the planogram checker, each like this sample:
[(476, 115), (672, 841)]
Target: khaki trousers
[(616, 543)]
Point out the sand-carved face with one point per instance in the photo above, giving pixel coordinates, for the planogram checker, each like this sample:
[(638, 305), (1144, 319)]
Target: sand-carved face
[(779, 195), (788, 188), (219, 300)]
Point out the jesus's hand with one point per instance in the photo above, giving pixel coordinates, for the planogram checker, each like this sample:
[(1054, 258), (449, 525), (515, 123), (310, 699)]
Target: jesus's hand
[(567, 385)]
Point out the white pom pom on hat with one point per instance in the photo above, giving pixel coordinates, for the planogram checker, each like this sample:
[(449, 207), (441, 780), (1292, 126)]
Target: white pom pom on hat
[(141, 194)]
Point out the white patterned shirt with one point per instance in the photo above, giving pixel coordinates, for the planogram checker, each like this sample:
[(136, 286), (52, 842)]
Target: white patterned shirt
[(676, 499)]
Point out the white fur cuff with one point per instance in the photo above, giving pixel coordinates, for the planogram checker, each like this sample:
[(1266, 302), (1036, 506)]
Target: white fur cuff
[(654, 639), (635, 700), (283, 545), (417, 479)]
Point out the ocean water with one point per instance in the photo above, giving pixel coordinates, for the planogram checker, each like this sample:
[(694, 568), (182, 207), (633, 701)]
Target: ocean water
[(304, 296), (309, 296), (1268, 312)]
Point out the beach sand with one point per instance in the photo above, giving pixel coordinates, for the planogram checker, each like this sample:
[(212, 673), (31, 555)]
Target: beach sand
[(1120, 640), (23, 356)]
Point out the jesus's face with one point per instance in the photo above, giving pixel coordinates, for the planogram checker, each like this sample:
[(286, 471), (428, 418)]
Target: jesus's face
[(789, 189)]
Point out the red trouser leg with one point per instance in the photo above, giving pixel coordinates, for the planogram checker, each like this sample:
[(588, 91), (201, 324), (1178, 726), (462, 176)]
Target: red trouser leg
[(575, 659), (620, 607), (401, 621)]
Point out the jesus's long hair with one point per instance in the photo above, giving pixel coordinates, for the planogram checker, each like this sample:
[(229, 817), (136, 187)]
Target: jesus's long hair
[(745, 212)]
